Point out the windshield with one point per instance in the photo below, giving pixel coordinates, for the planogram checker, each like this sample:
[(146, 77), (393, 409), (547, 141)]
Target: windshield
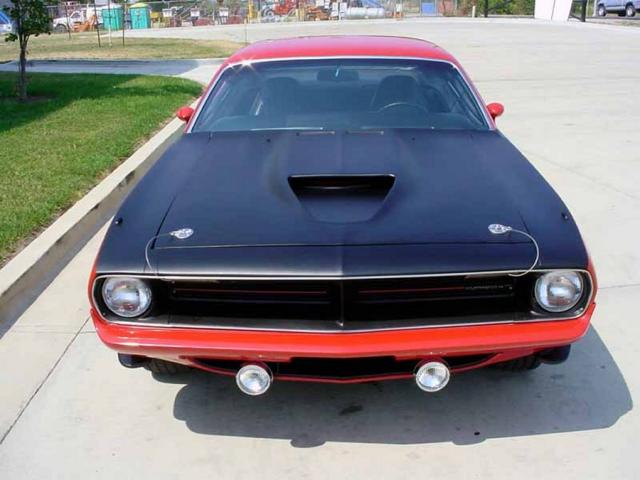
[(338, 94)]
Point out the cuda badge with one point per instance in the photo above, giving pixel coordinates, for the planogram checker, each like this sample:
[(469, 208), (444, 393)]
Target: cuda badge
[(182, 234), (499, 229)]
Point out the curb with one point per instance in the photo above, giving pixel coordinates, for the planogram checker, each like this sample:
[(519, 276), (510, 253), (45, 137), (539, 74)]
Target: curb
[(28, 273)]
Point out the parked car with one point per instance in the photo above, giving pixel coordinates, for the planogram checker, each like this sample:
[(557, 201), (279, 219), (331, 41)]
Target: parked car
[(621, 7), (6, 26), (342, 209), (62, 24)]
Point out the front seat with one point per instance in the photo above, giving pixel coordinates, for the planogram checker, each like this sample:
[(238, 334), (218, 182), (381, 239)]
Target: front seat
[(280, 97), (396, 88)]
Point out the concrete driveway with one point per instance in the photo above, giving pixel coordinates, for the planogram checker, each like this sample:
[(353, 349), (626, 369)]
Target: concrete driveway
[(70, 411)]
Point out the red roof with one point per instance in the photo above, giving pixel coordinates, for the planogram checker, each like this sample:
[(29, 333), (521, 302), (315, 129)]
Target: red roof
[(341, 46)]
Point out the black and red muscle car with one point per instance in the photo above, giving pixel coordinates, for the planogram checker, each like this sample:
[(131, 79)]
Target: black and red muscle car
[(342, 209)]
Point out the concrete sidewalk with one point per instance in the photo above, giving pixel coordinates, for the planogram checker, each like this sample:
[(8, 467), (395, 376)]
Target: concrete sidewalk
[(70, 411), (198, 70)]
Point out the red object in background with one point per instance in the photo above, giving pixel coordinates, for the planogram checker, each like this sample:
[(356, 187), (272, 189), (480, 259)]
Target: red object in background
[(235, 20), (283, 7), (201, 22)]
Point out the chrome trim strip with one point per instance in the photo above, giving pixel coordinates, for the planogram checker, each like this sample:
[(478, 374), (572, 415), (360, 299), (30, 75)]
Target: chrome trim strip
[(219, 74), (337, 277), (345, 332), (579, 312)]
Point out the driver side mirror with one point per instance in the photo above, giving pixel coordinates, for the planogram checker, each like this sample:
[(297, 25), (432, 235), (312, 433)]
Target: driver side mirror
[(495, 109), (185, 113)]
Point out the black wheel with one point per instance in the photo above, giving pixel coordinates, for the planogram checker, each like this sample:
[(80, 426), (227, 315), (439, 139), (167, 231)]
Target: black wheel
[(602, 11), (163, 367), (520, 364), (630, 10), (60, 28)]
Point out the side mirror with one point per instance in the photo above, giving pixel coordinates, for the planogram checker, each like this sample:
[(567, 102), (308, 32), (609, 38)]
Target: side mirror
[(495, 109), (185, 113)]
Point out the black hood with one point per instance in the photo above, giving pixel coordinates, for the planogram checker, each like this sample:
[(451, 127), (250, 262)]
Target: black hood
[(341, 203)]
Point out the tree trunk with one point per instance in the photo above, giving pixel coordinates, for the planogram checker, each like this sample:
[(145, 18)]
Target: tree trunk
[(22, 80)]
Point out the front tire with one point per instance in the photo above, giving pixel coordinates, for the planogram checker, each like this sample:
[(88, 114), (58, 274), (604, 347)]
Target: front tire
[(602, 11), (522, 364), (630, 10), (269, 15), (162, 367)]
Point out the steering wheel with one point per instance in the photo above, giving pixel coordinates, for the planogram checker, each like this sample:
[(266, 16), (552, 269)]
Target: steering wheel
[(404, 105)]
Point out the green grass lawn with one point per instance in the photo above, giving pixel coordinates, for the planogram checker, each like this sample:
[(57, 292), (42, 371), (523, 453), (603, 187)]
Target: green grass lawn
[(85, 46), (54, 149)]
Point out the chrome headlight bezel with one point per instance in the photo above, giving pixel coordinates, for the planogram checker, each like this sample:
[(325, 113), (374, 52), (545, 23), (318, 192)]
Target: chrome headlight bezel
[(139, 290), (572, 284)]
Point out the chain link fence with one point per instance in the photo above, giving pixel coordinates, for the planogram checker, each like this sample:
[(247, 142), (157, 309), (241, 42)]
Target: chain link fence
[(76, 16)]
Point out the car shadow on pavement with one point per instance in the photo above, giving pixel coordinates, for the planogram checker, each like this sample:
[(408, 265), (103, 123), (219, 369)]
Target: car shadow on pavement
[(585, 393)]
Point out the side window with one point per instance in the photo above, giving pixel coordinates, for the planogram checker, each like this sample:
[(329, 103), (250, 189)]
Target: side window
[(234, 97), (217, 99)]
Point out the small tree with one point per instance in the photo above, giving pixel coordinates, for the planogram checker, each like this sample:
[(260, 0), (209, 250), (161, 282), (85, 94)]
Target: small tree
[(30, 18)]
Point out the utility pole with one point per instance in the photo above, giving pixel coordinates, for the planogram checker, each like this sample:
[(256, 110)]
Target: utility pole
[(95, 16), (66, 12), (109, 27), (124, 6)]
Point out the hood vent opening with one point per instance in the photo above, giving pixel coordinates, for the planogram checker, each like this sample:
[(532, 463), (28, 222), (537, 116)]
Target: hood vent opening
[(341, 198), (341, 184)]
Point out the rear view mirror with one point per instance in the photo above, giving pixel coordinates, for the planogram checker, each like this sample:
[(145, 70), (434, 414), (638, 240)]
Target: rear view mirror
[(185, 113), (339, 75), (495, 109)]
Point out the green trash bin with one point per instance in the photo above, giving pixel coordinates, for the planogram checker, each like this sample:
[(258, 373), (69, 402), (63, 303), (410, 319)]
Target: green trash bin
[(112, 18), (140, 15)]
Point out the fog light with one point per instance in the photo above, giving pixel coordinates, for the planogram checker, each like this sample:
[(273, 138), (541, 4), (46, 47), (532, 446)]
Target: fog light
[(432, 376), (253, 379)]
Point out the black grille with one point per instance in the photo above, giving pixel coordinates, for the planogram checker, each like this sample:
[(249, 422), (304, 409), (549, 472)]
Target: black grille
[(265, 300), (346, 304), (439, 297)]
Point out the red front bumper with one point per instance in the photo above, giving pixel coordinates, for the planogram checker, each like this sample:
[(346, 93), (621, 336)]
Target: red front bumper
[(183, 345)]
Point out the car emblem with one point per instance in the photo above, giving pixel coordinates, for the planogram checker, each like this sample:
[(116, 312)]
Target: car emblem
[(182, 234)]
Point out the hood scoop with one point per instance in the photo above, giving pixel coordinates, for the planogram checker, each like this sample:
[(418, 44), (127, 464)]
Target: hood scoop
[(342, 198)]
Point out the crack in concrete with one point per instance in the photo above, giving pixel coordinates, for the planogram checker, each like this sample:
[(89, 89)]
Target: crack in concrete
[(625, 285), (605, 185), (37, 390)]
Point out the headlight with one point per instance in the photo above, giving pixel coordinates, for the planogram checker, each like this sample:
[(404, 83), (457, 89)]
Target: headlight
[(559, 291), (126, 297)]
